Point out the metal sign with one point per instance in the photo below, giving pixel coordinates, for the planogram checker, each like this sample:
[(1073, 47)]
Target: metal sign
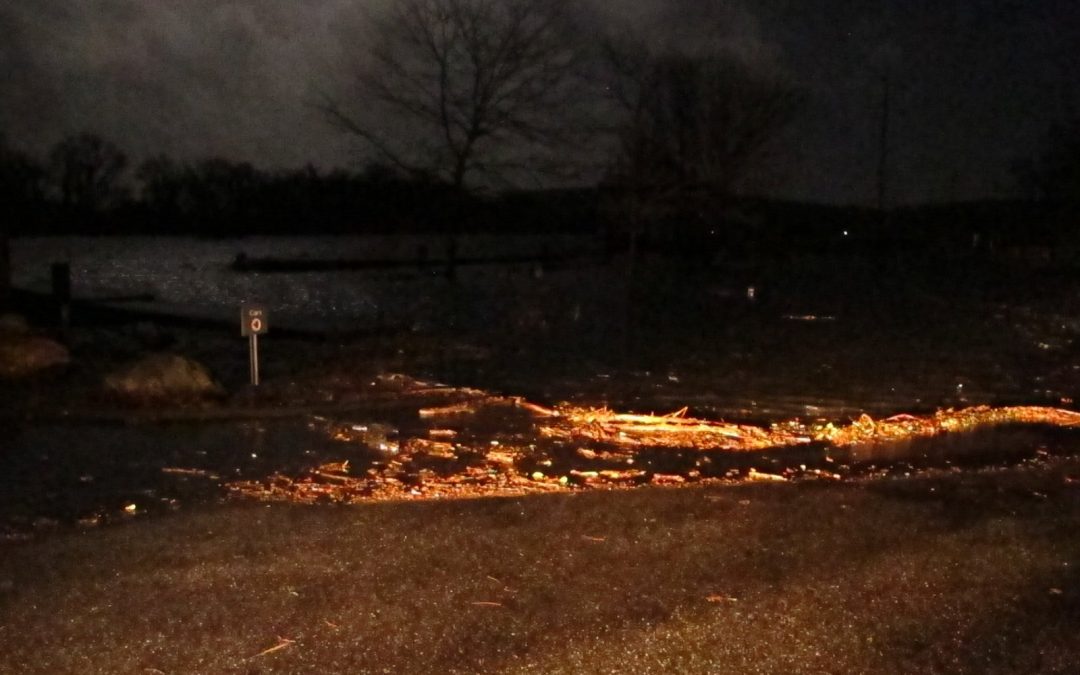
[(254, 320)]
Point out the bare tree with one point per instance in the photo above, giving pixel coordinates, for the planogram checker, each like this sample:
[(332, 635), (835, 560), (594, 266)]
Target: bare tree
[(693, 121), (690, 127), (480, 83)]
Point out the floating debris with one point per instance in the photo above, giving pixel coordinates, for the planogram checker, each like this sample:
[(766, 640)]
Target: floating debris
[(664, 450), (901, 427), (674, 430), (430, 448), (378, 437), (474, 405)]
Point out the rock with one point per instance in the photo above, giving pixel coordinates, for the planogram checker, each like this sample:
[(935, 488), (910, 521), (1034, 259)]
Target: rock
[(163, 377), (23, 355), (14, 324)]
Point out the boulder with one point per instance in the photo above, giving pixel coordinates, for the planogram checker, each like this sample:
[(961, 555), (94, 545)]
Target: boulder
[(158, 377), (22, 355)]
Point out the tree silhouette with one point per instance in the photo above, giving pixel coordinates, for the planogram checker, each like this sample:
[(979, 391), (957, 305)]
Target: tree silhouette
[(484, 84), (21, 195), (162, 181), (693, 121), (690, 127), (86, 169)]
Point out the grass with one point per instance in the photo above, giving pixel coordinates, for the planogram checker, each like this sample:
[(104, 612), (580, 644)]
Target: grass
[(973, 572)]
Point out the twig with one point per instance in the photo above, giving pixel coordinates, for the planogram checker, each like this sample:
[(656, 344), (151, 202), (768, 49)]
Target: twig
[(535, 408), (333, 476), (282, 644)]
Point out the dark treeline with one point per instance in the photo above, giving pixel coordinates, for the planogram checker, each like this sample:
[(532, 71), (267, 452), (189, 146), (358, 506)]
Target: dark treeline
[(664, 137), (87, 187)]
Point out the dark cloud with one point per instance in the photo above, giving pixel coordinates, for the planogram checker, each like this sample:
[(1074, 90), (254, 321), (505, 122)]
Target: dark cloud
[(191, 79), (974, 83)]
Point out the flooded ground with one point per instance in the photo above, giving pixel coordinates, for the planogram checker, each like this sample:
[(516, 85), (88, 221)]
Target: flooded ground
[(87, 475), (813, 342)]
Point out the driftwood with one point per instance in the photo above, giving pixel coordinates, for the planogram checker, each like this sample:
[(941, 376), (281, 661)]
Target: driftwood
[(429, 469), (900, 427), (674, 430), (473, 405)]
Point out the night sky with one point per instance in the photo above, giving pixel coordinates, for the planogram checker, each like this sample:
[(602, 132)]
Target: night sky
[(976, 83)]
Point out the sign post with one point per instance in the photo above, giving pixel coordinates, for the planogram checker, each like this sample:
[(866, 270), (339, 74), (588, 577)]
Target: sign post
[(254, 321)]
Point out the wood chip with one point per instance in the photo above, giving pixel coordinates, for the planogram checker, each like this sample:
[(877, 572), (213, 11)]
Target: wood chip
[(756, 475), (720, 598)]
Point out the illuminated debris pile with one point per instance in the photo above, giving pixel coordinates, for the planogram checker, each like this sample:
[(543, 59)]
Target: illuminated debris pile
[(422, 469), (901, 427), (473, 405), (674, 430), (627, 450)]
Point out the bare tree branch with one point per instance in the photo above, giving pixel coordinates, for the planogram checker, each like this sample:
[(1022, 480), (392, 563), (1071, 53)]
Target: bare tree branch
[(478, 80), (694, 123)]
